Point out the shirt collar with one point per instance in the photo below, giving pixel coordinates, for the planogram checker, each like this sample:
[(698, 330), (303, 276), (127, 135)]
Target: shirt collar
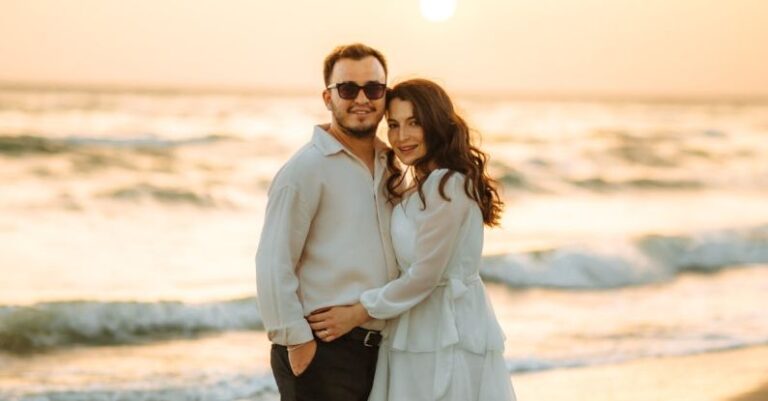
[(328, 145), (324, 141)]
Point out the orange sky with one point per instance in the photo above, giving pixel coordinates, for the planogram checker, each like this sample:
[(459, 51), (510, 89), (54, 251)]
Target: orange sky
[(567, 47)]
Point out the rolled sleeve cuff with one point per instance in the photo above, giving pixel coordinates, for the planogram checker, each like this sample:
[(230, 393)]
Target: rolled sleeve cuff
[(297, 332)]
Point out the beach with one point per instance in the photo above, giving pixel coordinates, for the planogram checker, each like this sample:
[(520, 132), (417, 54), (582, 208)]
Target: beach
[(728, 375), (733, 375)]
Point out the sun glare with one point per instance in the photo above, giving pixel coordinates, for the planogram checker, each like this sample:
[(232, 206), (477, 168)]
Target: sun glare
[(438, 10)]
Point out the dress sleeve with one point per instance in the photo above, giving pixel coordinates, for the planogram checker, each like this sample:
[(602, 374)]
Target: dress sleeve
[(437, 232), (286, 226)]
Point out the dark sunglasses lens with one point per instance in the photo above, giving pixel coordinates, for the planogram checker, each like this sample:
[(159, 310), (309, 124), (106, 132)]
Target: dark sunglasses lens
[(348, 90), (374, 91)]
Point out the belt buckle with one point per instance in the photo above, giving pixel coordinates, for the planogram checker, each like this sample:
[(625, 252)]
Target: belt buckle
[(367, 337)]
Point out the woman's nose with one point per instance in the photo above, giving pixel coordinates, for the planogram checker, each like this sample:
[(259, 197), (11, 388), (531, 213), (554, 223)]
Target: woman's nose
[(402, 134)]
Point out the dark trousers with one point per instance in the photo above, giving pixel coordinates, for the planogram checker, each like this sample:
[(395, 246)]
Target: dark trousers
[(341, 370)]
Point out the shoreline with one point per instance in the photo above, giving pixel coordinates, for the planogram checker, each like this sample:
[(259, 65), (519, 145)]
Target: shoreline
[(728, 375), (758, 394)]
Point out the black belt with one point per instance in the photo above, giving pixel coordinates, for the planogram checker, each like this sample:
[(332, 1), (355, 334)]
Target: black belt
[(369, 338)]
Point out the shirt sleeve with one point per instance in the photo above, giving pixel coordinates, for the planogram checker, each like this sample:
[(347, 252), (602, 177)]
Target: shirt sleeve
[(437, 232), (286, 226)]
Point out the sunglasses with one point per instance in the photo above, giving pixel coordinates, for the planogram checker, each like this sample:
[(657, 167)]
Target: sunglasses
[(349, 90)]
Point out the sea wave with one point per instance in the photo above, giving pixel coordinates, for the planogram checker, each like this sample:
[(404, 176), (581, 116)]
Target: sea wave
[(537, 364), (538, 173), (240, 387), (599, 184), (40, 327), (22, 145), (646, 260), (166, 195), (261, 386)]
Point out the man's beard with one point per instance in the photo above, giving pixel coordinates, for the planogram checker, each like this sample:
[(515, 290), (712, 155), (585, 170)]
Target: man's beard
[(360, 133)]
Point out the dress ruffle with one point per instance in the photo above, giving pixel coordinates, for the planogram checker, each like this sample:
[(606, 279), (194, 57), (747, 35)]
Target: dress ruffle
[(476, 331)]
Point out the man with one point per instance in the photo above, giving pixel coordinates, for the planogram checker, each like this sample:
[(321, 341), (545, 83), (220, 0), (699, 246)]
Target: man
[(326, 237)]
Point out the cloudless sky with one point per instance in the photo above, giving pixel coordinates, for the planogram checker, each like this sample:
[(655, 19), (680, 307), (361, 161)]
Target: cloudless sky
[(569, 47)]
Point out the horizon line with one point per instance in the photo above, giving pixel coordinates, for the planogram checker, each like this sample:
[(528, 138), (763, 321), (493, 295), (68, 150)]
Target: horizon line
[(160, 89)]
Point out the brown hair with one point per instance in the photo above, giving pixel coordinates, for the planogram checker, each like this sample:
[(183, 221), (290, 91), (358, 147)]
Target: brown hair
[(448, 145), (355, 51)]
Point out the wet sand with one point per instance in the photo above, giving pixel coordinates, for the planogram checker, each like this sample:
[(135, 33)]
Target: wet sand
[(758, 394), (735, 375)]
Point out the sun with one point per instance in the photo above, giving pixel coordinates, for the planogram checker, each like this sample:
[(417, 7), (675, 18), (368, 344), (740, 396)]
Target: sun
[(438, 10)]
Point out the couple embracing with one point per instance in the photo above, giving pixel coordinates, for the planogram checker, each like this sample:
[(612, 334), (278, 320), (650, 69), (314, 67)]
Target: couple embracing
[(367, 267)]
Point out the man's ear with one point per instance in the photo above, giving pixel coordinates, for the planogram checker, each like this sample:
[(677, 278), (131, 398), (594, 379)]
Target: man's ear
[(327, 99)]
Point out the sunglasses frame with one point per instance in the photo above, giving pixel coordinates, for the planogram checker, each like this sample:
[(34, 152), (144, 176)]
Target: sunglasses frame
[(365, 88)]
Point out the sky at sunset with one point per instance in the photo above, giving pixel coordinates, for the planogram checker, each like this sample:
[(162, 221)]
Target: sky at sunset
[(565, 47)]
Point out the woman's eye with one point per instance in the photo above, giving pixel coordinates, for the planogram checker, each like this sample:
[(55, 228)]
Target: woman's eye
[(414, 123), (392, 125)]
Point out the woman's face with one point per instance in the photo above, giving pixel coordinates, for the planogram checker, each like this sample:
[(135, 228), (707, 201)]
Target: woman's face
[(405, 133)]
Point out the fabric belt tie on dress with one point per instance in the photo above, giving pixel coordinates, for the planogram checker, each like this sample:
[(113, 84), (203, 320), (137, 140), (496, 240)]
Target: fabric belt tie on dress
[(457, 288)]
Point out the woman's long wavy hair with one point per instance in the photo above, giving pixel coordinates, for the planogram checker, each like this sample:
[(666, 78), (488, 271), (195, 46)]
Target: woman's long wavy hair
[(448, 145)]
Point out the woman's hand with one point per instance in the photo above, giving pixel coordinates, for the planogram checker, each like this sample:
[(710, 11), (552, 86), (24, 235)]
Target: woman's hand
[(300, 356), (330, 324)]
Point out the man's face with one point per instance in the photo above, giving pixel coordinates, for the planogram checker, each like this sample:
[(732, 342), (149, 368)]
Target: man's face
[(360, 116)]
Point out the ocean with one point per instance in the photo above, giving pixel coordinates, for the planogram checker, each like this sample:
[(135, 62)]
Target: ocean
[(129, 223)]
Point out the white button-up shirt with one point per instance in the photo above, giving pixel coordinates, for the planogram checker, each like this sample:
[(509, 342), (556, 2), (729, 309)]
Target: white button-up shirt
[(325, 238)]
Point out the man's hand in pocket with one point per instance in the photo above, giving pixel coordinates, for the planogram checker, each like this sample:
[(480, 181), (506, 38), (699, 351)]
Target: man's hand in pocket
[(300, 356)]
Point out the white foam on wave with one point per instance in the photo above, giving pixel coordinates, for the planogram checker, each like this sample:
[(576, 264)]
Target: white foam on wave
[(645, 260), (226, 388), (47, 325), (537, 364)]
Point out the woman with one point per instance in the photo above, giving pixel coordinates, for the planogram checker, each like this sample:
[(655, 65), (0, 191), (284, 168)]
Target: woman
[(443, 341)]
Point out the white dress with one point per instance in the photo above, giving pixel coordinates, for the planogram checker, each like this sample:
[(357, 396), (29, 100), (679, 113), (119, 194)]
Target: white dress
[(443, 341)]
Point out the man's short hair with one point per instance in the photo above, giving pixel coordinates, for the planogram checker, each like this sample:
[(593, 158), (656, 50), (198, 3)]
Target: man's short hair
[(355, 51)]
